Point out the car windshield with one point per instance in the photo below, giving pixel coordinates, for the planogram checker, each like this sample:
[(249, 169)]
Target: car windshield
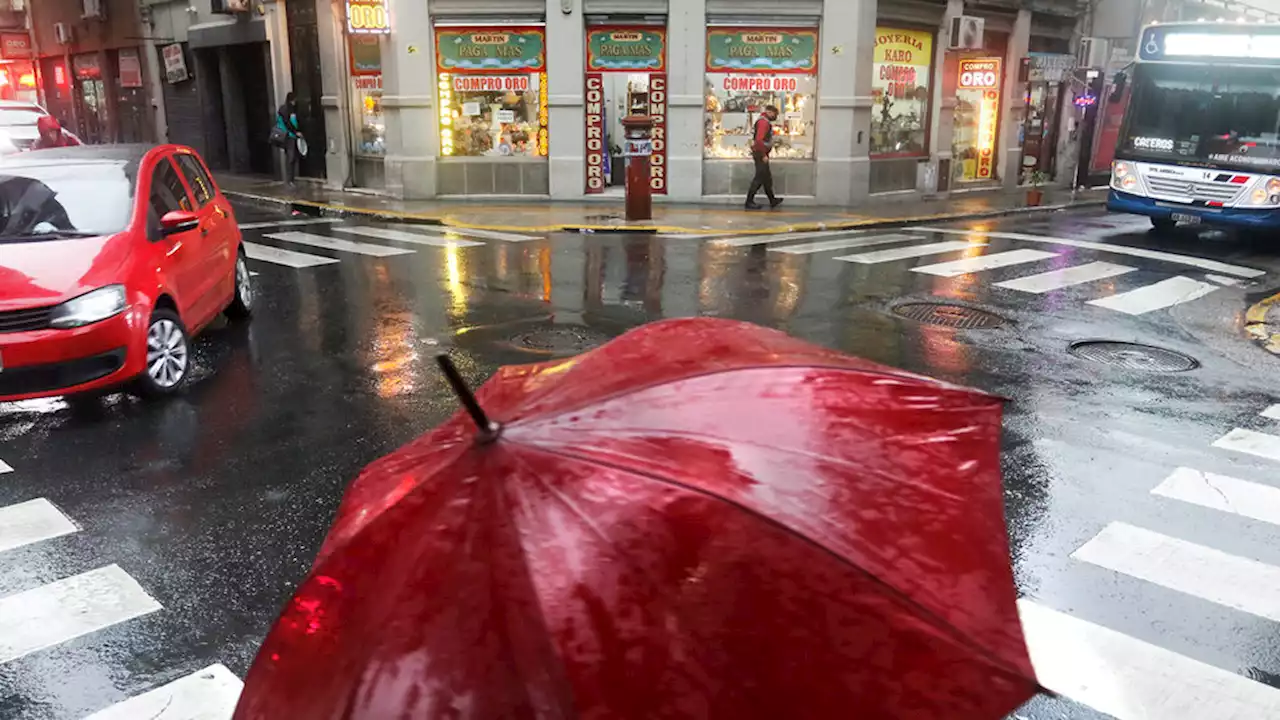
[(64, 199), (16, 116), (1216, 115)]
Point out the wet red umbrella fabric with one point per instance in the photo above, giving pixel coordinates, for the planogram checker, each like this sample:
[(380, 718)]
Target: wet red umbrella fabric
[(700, 519)]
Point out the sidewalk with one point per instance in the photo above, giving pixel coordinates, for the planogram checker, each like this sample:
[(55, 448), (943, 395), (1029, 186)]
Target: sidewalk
[(540, 216)]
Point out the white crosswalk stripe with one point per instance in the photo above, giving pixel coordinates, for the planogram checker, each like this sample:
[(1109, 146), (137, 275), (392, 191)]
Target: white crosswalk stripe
[(332, 243), (4, 467), (469, 232), (844, 244), (1272, 412), (1156, 296), (31, 522), (1206, 264), (765, 239), (406, 237), (1250, 442), (1065, 277), (892, 255), (60, 611), (978, 263), (1129, 679), (288, 258), (1219, 492), (288, 223), (208, 694), (1196, 570)]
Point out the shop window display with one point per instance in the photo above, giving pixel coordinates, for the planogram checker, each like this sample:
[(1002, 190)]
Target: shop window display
[(900, 88), (494, 116), (492, 91), (369, 128), (734, 102)]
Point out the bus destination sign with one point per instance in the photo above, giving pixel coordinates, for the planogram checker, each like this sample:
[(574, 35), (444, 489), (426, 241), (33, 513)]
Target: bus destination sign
[(1201, 42)]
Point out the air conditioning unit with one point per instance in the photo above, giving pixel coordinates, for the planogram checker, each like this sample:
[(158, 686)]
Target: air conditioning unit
[(62, 33), (18, 5), (966, 32), (1093, 53), (92, 10)]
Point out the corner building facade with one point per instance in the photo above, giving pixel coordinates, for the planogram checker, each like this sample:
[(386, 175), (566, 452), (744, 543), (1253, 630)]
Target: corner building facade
[(524, 98)]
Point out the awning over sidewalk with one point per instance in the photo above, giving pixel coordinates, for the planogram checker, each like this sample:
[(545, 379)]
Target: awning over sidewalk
[(240, 31)]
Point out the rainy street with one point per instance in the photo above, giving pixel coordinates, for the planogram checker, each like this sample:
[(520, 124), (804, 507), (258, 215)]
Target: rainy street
[(1142, 433)]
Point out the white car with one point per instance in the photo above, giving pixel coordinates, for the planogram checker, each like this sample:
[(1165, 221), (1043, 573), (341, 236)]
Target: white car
[(18, 125)]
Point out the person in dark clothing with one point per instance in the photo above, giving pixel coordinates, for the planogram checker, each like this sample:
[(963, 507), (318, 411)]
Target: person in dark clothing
[(761, 146), (288, 133)]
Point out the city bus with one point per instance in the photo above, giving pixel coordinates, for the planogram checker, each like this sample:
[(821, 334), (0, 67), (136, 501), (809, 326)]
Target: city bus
[(1200, 140)]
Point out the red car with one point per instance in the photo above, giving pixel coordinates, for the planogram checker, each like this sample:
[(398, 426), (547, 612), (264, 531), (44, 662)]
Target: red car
[(111, 259)]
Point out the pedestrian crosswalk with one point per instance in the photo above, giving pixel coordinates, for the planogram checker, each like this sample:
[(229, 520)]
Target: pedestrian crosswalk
[(37, 619), (1130, 679), (354, 240), (1053, 265)]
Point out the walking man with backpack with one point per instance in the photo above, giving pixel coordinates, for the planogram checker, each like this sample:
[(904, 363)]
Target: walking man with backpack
[(761, 146)]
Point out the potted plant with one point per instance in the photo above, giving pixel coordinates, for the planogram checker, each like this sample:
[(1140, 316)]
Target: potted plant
[(1035, 193)]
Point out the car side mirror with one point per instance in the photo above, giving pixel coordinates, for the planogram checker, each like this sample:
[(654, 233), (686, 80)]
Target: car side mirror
[(178, 221)]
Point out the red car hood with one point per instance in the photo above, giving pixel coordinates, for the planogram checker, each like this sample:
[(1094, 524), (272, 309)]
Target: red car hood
[(46, 272)]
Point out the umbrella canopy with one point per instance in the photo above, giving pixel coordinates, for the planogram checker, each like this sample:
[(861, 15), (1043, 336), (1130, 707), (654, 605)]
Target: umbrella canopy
[(700, 519)]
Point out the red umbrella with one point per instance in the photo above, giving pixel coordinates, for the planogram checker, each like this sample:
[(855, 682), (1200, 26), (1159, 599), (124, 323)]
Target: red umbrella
[(701, 519)]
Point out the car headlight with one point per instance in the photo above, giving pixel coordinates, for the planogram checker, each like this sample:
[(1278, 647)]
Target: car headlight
[(1266, 192), (91, 307)]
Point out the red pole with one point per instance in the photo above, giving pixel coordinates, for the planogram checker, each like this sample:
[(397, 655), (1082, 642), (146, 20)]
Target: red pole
[(638, 147)]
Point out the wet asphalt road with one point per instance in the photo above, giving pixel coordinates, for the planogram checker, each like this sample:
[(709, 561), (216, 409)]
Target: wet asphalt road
[(216, 502)]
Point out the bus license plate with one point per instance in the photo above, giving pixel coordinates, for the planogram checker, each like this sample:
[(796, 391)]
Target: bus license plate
[(1185, 218)]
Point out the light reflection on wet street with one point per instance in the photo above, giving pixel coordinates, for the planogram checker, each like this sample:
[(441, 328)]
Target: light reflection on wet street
[(216, 502)]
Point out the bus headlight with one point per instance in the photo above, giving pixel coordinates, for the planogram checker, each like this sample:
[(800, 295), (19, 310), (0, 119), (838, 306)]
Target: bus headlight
[(1266, 193), (1123, 176)]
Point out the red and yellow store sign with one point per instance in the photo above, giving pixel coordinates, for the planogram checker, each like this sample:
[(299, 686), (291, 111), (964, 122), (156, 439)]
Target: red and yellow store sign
[(368, 17), (979, 84)]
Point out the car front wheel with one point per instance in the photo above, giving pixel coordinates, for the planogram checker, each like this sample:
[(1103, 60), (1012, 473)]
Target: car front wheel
[(241, 306), (168, 356)]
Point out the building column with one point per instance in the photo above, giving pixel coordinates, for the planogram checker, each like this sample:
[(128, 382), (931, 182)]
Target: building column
[(566, 72), (1015, 108), (409, 103), (333, 94), (844, 101), (943, 124), (686, 102)]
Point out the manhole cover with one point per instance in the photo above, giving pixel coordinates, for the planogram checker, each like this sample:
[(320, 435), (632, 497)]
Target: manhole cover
[(559, 340), (1133, 356), (956, 316)]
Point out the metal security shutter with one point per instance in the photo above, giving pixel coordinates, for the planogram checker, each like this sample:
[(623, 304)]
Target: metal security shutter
[(912, 12), (759, 12), (625, 7), (488, 8), (182, 108)]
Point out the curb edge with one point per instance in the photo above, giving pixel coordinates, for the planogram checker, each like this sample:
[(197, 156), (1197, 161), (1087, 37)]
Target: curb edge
[(331, 210)]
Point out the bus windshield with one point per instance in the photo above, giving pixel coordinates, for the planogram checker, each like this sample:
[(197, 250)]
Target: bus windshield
[(1214, 115)]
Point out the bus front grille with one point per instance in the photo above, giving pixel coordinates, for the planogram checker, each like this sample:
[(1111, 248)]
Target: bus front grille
[(1205, 192)]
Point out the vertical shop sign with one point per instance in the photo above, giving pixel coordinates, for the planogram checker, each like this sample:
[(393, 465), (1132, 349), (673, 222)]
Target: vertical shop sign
[(130, 69), (175, 63), (544, 139), (983, 75), (595, 134), (658, 111)]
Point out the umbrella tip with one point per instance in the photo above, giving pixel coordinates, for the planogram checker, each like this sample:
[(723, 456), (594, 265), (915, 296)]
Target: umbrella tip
[(488, 430)]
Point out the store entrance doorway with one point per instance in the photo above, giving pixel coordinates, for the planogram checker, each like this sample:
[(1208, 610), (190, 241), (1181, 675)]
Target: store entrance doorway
[(626, 75)]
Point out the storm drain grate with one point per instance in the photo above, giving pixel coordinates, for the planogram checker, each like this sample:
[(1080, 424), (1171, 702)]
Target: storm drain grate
[(559, 340), (1132, 356), (955, 316)]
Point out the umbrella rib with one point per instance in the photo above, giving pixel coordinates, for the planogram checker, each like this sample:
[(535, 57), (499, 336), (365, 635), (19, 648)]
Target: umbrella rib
[(922, 611), (551, 395)]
